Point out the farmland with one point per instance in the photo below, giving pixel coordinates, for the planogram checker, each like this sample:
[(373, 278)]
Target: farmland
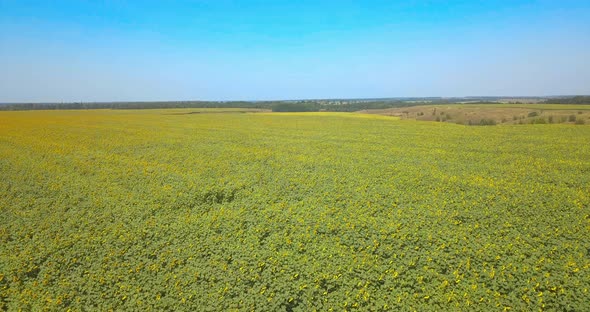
[(474, 114), (175, 209)]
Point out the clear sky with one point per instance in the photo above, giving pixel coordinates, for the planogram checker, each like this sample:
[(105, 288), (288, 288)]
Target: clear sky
[(288, 49)]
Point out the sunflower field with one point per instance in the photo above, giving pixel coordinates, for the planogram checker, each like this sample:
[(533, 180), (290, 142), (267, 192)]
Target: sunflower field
[(149, 210)]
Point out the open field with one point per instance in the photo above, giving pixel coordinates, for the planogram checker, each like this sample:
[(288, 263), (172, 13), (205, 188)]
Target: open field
[(473, 114), (148, 210), (186, 111)]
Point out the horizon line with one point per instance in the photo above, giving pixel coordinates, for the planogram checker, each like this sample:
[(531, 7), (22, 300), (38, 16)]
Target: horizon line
[(303, 99)]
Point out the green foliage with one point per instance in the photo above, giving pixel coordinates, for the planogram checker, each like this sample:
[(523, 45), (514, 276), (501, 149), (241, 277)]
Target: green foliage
[(533, 114), (487, 122), (538, 121), (572, 118), (149, 210), (282, 106), (295, 107), (570, 100)]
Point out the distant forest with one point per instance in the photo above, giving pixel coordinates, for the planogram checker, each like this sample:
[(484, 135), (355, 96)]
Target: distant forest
[(277, 106), (335, 105), (570, 100)]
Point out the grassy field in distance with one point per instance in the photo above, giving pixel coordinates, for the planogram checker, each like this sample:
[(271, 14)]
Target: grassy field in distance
[(172, 210), (498, 113)]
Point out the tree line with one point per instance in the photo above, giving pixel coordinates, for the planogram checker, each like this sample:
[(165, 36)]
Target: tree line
[(582, 99), (276, 106)]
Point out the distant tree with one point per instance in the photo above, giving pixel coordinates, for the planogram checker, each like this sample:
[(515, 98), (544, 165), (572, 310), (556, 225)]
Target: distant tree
[(569, 100), (487, 122), (295, 107)]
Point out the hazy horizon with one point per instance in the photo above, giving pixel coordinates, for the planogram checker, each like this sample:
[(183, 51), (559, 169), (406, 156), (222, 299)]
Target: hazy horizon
[(117, 51), (466, 97)]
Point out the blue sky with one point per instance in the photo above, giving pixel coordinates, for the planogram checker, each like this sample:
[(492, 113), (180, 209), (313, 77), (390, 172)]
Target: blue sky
[(262, 50)]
